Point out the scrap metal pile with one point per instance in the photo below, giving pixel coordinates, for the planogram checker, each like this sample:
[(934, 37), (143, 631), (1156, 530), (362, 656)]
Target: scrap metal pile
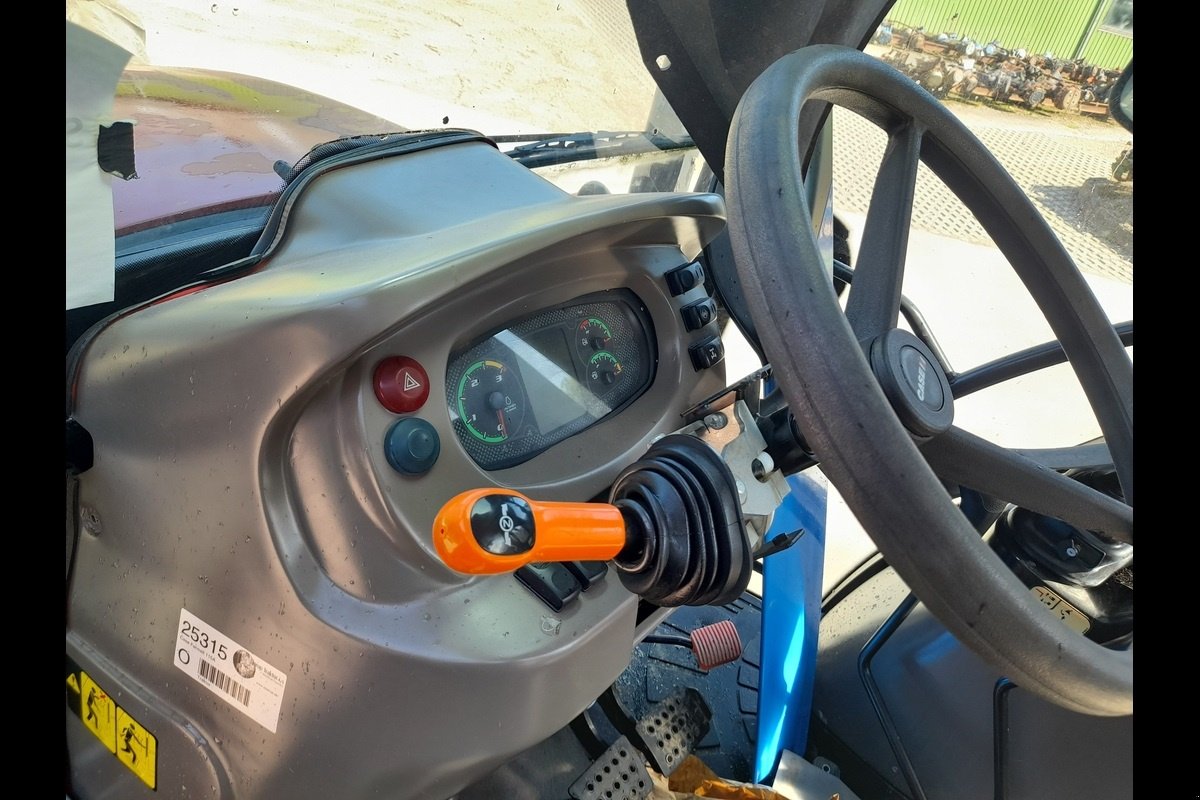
[(947, 62)]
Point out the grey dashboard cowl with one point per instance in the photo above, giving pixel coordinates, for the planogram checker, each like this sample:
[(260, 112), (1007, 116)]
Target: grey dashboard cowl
[(239, 474)]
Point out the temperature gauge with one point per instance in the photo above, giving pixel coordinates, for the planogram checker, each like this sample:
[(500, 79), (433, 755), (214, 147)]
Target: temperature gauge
[(592, 334)]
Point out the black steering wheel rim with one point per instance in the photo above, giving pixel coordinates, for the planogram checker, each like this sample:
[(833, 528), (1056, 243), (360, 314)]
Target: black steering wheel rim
[(817, 354)]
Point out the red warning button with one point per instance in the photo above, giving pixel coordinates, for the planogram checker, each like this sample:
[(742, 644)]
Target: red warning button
[(401, 384)]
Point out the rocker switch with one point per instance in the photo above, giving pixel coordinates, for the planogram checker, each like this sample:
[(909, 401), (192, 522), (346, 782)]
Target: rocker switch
[(588, 573), (553, 583), (699, 314), (685, 278), (706, 352)]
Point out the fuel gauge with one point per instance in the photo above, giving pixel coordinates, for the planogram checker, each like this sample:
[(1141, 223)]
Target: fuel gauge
[(603, 372)]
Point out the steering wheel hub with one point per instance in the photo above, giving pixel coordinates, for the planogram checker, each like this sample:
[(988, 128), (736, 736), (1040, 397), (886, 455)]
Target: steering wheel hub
[(913, 382)]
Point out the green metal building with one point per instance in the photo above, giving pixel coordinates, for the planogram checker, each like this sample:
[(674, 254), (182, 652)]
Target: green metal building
[(1101, 31)]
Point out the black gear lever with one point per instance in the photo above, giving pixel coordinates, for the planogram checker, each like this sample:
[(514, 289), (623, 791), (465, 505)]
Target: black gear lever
[(673, 528)]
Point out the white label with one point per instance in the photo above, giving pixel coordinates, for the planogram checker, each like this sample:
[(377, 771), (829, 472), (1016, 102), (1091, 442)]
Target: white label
[(230, 671)]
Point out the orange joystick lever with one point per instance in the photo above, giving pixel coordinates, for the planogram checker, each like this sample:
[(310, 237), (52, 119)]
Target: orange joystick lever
[(490, 531)]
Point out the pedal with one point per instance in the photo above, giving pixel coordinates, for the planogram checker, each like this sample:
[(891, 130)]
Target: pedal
[(673, 727), (618, 774)]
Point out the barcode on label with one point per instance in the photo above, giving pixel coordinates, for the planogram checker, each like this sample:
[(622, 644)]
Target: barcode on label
[(225, 683)]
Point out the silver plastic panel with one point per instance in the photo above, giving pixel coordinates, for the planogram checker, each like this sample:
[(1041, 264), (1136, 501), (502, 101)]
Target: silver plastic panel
[(239, 474)]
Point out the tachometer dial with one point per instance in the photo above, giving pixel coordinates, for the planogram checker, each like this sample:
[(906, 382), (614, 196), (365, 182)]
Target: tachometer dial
[(603, 371), (491, 401), (592, 334)]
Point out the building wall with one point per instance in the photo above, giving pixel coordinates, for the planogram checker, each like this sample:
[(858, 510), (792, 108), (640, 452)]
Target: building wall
[(1109, 50), (1036, 25)]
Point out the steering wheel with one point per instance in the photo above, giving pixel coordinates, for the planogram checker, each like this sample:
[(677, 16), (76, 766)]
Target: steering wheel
[(873, 402)]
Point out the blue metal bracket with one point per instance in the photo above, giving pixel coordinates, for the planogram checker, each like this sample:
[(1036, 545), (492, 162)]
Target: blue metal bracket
[(791, 615)]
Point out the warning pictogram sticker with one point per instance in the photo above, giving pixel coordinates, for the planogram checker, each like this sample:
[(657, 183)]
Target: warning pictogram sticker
[(121, 734), (136, 747), (98, 712)]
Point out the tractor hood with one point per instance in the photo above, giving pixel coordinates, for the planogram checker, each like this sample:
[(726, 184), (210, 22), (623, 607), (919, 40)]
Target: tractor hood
[(207, 141)]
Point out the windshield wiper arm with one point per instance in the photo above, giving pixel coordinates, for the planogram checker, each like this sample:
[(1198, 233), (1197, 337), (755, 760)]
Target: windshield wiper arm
[(542, 150)]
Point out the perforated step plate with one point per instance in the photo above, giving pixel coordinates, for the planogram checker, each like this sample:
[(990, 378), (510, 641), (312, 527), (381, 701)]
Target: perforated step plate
[(618, 774), (673, 727)]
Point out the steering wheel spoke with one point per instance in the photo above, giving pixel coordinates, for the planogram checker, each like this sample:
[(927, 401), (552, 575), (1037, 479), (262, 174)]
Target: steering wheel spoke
[(1092, 455), (961, 457), (873, 306)]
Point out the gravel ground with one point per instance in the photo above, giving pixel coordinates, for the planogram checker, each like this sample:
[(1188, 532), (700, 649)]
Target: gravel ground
[(1063, 168)]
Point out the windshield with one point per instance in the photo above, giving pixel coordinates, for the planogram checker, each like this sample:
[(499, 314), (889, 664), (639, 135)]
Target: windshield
[(421, 65), (220, 92), (227, 97)]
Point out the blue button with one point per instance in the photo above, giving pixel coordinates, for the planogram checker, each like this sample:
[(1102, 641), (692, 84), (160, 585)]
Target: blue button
[(412, 446)]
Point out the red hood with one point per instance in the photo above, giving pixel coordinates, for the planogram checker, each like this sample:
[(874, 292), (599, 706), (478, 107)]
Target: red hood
[(207, 141)]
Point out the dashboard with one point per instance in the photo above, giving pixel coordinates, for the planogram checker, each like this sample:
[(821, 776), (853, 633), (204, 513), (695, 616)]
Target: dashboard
[(271, 453)]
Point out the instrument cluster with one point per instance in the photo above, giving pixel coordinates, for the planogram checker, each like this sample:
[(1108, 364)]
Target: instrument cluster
[(546, 377)]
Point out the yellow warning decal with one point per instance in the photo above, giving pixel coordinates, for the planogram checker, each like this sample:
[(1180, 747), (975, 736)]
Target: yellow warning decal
[(98, 711), (137, 747), (116, 729), (1068, 614)]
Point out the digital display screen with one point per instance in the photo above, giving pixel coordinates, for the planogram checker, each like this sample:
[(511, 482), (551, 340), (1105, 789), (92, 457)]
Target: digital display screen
[(545, 362), (552, 343)]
